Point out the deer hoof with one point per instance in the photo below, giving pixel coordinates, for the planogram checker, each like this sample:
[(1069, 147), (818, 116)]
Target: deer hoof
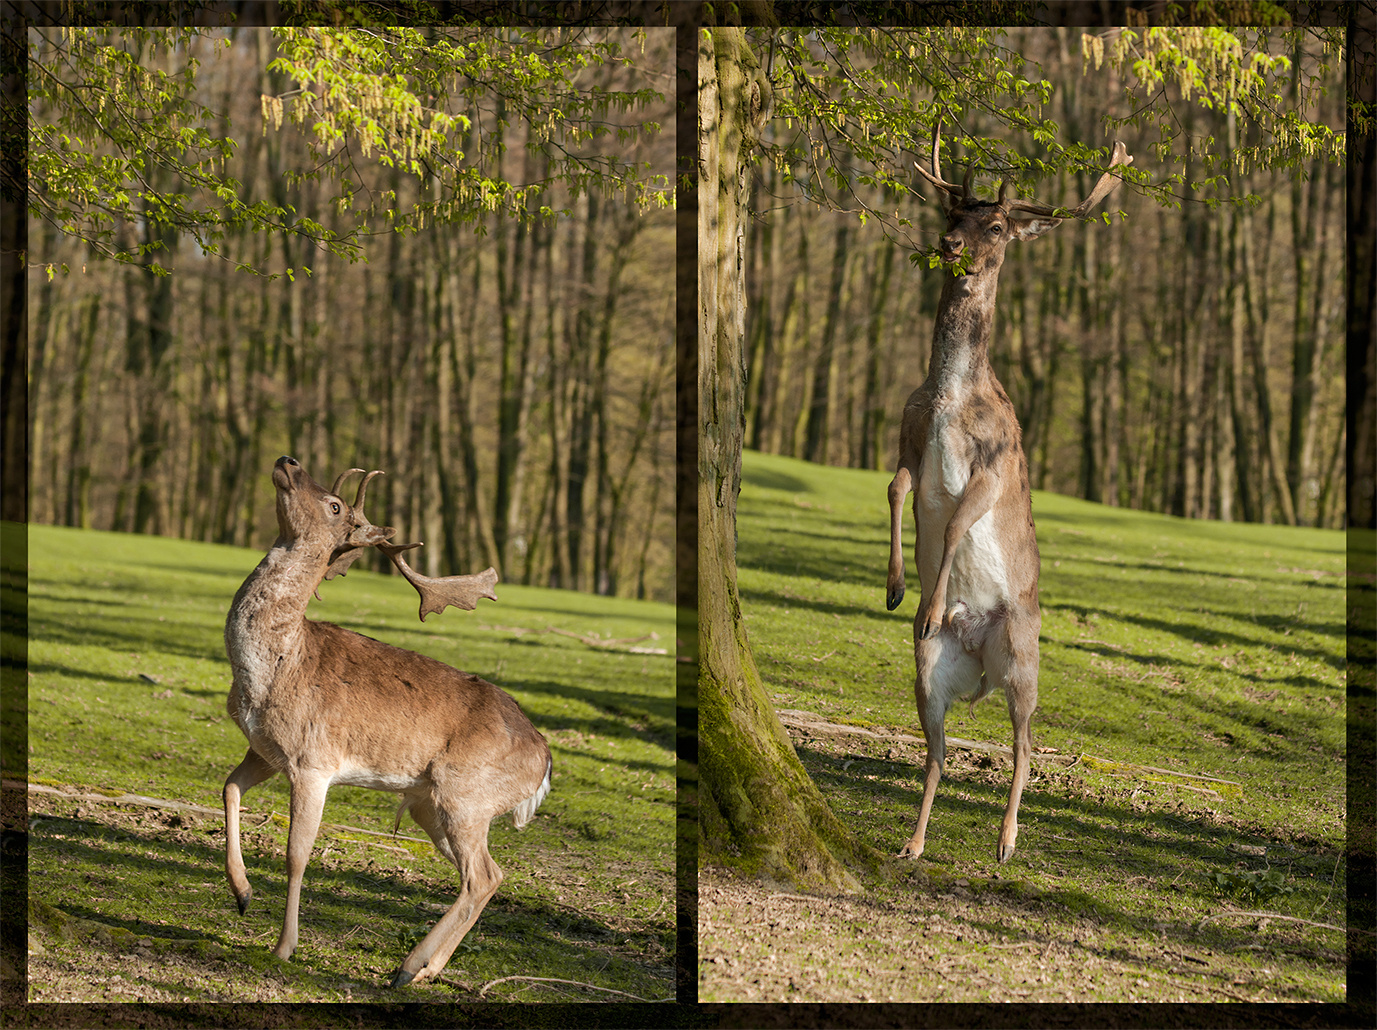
[(243, 901), (1004, 852), (402, 978), (894, 598)]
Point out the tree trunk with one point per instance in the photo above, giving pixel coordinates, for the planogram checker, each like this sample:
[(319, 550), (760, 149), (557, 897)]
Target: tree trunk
[(872, 396), (1259, 338), (581, 406), (607, 496), (1361, 332), (1245, 439), (818, 432), (77, 509), (759, 809)]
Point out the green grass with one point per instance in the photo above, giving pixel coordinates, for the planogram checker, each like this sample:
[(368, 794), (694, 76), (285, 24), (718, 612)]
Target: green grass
[(127, 687), (1199, 647)]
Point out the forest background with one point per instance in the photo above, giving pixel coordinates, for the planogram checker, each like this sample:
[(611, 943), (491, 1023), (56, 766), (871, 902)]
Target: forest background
[(446, 254), (1186, 357)]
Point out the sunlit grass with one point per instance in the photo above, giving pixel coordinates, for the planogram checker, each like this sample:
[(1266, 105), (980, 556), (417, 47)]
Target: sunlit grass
[(1192, 647), (127, 687)]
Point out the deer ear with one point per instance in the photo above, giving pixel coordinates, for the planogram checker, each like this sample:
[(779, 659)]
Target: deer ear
[(1031, 227)]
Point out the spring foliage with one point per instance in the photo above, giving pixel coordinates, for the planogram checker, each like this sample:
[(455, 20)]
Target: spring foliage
[(120, 131)]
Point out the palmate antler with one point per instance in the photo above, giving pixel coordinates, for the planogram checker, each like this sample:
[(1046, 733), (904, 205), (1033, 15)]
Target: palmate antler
[(436, 594), (1119, 158)]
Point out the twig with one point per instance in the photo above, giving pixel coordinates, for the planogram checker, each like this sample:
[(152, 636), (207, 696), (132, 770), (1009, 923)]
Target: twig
[(1274, 915), (147, 802), (1210, 987), (553, 980), (1153, 768)]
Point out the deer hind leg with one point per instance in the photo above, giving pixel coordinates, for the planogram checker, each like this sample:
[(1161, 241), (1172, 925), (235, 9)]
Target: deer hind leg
[(466, 845), (945, 671), (253, 770), (1011, 658), (308, 802), (899, 489)]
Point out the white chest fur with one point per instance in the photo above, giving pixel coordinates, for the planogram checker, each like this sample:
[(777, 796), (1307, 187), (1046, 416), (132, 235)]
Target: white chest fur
[(979, 576)]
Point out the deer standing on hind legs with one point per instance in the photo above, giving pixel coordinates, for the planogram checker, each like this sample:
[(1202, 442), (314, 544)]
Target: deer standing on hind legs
[(961, 453), (324, 705)]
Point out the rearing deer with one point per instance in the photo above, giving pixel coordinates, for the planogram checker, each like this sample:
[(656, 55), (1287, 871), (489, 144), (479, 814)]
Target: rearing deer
[(961, 453), (324, 705)]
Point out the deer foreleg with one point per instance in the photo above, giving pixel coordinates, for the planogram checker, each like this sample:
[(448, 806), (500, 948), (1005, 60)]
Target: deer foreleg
[(899, 489), (253, 770), (307, 804), (982, 490)]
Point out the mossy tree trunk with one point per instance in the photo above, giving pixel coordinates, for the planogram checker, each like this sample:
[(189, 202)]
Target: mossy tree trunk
[(759, 811)]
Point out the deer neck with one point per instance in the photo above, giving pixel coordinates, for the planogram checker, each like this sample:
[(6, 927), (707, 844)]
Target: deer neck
[(961, 335), (266, 628)]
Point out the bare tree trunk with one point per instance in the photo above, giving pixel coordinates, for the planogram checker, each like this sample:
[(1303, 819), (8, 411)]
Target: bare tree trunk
[(817, 432), (581, 406), (760, 327), (608, 496), (1111, 430), (793, 333), (872, 452), (76, 511), (1245, 439), (1259, 332), (1360, 455), (1093, 360)]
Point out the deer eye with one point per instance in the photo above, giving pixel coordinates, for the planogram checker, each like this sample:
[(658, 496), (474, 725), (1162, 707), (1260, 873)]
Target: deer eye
[(334, 507), (996, 228)]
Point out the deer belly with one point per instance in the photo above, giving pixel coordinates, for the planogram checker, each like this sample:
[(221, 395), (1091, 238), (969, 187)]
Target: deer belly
[(978, 576), (360, 776)]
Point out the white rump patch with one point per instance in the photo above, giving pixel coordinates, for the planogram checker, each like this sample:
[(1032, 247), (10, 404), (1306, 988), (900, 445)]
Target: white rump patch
[(524, 812)]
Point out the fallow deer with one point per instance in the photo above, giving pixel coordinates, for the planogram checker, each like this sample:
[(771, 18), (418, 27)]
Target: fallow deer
[(324, 705), (961, 453)]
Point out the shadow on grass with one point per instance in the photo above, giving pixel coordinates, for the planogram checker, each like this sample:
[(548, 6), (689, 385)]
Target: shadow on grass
[(656, 714), (770, 479), (1087, 841), (1195, 633), (109, 626), (335, 904)]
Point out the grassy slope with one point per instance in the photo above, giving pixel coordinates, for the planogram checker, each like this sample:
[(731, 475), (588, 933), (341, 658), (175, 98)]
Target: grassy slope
[(587, 890), (1206, 648)]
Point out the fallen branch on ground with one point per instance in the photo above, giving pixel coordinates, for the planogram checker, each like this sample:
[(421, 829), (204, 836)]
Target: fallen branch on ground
[(182, 806), (575, 983), (1091, 761), (602, 644), (1274, 915), (811, 723)]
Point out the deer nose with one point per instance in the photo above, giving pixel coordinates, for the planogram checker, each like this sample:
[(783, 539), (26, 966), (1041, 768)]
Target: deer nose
[(285, 460), (950, 244)]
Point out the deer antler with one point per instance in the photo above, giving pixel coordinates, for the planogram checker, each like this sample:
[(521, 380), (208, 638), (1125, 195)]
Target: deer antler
[(343, 557), (436, 594), (1120, 158), (935, 176)]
